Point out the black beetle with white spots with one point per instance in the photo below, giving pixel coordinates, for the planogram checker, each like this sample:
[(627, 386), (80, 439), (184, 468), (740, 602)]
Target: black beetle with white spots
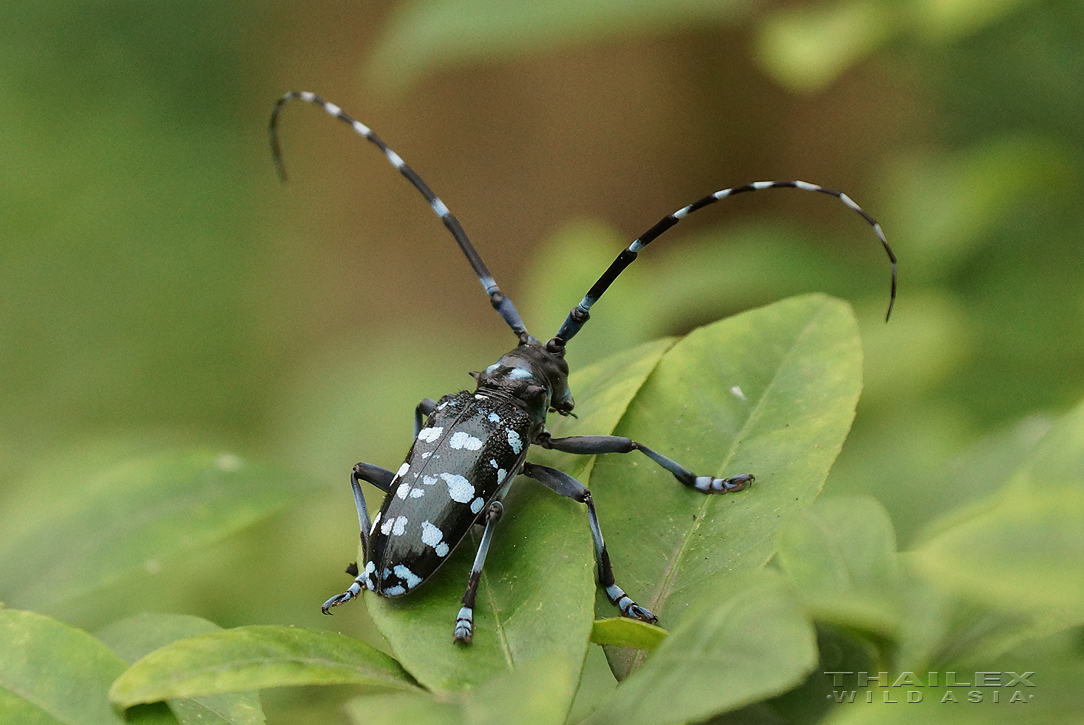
[(468, 447)]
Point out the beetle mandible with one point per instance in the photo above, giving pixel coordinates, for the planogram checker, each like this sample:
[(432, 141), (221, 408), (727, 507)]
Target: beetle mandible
[(468, 447)]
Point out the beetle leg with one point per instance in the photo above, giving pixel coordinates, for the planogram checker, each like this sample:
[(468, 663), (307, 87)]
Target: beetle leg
[(464, 621), (564, 484), (421, 412), (590, 445), (381, 478)]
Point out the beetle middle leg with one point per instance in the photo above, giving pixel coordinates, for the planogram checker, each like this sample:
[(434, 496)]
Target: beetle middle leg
[(590, 445), (564, 484), (464, 621)]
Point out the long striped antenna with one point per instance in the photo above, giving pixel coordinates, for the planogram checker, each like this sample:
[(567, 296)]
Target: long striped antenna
[(581, 312), (500, 302)]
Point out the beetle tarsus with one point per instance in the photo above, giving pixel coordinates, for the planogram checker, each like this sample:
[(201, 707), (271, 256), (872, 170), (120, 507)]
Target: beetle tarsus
[(464, 626), (635, 611), (708, 484), (337, 600)]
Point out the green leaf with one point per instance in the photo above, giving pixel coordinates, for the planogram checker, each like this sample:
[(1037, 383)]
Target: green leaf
[(133, 516), (770, 392), (53, 673), (623, 632), (1022, 549), (1025, 553), (536, 694), (1058, 459), (537, 589), (806, 48), (428, 33), (841, 555), (1049, 693), (138, 636), (747, 640), (252, 658)]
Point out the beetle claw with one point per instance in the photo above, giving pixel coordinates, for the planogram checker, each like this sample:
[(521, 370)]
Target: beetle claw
[(635, 611), (708, 484), (336, 601)]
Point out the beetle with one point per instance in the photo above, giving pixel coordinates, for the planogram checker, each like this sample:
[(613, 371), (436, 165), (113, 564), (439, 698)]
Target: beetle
[(469, 446)]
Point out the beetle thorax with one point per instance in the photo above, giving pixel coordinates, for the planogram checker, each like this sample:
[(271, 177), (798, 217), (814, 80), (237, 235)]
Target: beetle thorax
[(531, 377)]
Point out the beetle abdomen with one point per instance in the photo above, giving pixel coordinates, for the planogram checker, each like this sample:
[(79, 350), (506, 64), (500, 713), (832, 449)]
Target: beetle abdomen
[(469, 448)]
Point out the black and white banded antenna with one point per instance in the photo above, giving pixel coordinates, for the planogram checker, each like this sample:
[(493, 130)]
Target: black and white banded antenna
[(581, 312), (500, 302)]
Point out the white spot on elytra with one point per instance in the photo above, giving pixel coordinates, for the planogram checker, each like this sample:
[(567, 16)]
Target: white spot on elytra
[(400, 526), (462, 439), (495, 418), (403, 490), (376, 522), (395, 591), (442, 549), (476, 505), (429, 480), (412, 580), (426, 454), (430, 434), (459, 488), (417, 492), (403, 469), (514, 441), (501, 473), (493, 462), (385, 528), (737, 393), (431, 535)]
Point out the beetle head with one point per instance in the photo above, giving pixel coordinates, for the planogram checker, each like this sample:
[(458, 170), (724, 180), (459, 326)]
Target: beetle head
[(533, 376)]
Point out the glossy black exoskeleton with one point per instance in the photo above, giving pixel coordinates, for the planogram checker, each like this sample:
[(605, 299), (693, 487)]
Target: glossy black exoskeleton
[(472, 445)]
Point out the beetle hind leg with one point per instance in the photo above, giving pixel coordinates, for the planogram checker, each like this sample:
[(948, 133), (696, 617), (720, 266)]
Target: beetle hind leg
[(564, 484), (381, 478), (464, 621)]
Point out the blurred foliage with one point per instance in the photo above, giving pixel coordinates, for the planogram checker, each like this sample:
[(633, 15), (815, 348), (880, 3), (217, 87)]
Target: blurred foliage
[(192, 358)]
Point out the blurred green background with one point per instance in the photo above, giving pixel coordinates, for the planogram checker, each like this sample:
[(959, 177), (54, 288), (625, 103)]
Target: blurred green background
[(160, 290)]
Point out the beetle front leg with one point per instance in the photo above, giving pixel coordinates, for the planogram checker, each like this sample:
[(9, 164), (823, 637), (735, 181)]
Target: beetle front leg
[(591, 445), (464, 621), (564, 484)]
